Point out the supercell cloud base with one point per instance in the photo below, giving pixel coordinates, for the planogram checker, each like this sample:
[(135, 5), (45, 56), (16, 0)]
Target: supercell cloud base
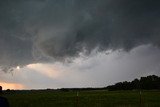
[(95, 70), (77, 43)]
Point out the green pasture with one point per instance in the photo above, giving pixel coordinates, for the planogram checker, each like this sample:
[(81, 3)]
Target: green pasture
[(100, 98)]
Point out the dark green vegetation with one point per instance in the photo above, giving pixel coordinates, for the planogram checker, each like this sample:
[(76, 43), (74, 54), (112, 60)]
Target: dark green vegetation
[(151, 82), (92, 98)]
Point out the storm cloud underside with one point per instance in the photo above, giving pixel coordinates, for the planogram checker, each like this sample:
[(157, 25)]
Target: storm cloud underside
[(37, 31)]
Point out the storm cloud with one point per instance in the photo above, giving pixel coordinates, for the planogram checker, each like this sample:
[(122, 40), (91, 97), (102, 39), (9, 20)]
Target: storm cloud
[(35, 31)]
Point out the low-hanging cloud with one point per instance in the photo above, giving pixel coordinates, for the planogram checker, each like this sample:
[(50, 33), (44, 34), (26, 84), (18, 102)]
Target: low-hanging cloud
[(39, 30)]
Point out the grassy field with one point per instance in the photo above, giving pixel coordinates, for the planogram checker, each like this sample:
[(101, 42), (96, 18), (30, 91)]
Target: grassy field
[(100, 98)]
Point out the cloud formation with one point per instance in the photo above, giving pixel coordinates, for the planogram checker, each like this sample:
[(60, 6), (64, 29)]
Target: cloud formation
[(98, 70), (42, 30)]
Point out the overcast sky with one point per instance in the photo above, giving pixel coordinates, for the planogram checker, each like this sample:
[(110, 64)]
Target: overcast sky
[(77, 43)]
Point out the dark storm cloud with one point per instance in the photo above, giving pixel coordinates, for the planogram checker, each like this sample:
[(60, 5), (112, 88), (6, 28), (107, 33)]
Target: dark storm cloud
[(37, 30)]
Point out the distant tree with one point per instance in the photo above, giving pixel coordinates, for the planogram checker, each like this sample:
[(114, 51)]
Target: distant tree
[(135, 84), (0, 89), (8, 90), (148, 83)]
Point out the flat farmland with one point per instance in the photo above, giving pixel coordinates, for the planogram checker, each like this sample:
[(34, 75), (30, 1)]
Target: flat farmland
[(89, 98)]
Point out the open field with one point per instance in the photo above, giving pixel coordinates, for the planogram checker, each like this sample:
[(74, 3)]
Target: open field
[(99, 98)]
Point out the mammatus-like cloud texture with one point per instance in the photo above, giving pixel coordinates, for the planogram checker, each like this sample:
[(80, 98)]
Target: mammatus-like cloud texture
[(39, 30)]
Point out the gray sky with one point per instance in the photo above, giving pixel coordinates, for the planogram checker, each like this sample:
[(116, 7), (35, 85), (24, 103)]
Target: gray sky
[(77, 43)]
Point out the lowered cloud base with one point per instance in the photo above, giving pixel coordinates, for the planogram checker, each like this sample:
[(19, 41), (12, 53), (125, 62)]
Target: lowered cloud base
[(78, 43), (96, 70)]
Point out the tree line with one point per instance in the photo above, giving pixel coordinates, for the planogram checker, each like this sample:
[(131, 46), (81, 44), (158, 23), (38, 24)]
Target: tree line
[(151, 82)]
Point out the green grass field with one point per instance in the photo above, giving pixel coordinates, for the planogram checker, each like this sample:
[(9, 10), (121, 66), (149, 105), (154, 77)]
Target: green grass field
[(100, 98)]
